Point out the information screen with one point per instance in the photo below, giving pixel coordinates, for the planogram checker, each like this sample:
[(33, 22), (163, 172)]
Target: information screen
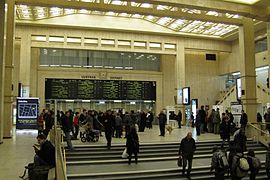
[(27, 113), (186, 95), (99, 89)]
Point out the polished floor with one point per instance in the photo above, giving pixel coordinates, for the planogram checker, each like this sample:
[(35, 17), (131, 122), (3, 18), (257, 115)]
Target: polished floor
[(17, 152)]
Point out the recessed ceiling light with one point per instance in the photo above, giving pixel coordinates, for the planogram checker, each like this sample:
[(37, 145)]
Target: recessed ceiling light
[(243, 1)]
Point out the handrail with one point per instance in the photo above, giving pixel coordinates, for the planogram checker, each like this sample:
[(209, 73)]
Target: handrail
[(227, 95), (257, 134), (60, 156)]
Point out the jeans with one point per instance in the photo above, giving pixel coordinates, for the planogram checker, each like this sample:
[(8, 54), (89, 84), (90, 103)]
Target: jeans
[(162, 129), (202, 128), (108, 136), (68, 139)]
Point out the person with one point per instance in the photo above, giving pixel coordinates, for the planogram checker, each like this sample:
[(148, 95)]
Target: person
[(267, 161), (266, 117), (225, 128), (162, 122), (179, 118), (142, 122), (236, 158), (215, 165), (40, 123), (253, 162), (202, 115), (240, 139), (108, 126), (198, 123), (216, 121), (67, 125), (259, 117), (76, 125), (132, 144), (186, 150), (45, 154), (192, 120), (210, 119), (243, 120), (118, 125)]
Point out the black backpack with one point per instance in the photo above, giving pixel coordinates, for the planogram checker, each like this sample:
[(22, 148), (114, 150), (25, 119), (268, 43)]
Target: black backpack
[(36, 172)]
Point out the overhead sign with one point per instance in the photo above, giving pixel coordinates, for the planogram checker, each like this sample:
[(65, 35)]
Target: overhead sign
[(27, 113)]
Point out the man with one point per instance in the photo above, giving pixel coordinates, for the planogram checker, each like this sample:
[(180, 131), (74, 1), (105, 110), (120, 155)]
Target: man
[(162, 122), (202, 115), (67, 125), (108, 125), (215, 165), (243, 120), (240, 139), (216, 121), (45, 154), (186, 150), (179, 118)]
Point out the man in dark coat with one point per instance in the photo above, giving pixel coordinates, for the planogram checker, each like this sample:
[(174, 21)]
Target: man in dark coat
[(266, 117), (202, 115), (243, 120), (179, 118), (186, 150), (108, 126), (45, 154), (162, 122), (67, 125), (225, 128)]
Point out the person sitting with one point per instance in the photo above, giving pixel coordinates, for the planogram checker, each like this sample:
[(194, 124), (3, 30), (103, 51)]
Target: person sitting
[(45, 153)]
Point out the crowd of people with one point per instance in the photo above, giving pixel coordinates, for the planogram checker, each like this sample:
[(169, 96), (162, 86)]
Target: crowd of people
[(114, 124)]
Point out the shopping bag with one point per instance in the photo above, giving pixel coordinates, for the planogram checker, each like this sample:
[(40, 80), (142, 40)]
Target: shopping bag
[(125, 154)]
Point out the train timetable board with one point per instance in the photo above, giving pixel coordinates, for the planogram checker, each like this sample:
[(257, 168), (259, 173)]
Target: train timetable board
[(99, 89)]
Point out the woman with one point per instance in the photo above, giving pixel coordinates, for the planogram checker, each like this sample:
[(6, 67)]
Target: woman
[(225, 128), (132, 144)]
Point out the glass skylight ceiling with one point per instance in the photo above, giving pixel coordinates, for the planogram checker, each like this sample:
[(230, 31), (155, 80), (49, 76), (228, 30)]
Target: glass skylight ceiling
[(183, 25)]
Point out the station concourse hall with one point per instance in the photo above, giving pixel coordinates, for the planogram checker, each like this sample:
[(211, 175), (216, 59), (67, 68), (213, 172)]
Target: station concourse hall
[(116, 85)]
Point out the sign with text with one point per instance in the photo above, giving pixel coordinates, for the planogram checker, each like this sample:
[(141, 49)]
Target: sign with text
[(27, 113)]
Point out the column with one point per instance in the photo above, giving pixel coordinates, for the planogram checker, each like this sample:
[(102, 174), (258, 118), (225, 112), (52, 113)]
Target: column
[(268, 48), (25, 61), (180, 70), (2, 67), (247, 68), (8, 91)]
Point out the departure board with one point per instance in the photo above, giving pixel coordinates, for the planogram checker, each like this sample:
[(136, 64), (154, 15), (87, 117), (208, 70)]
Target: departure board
[(99, 89)]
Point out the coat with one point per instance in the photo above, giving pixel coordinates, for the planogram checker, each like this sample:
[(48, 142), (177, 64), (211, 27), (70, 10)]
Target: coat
[(187, 148), (47, 153), (225, 130), (132, 143)]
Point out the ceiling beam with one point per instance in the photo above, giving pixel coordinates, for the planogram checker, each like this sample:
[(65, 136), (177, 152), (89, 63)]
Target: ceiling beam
[(250, 11), (129, 9)]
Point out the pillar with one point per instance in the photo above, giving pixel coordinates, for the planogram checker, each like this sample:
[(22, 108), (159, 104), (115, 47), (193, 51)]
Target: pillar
[(247, 68), (8, 91), (268, 49), (180, 70), (2, 67)]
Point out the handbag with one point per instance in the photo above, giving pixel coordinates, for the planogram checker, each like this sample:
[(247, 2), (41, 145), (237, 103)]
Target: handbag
[(179, 161)]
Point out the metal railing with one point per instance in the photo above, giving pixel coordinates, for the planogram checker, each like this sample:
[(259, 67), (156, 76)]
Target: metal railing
[(258, 132)]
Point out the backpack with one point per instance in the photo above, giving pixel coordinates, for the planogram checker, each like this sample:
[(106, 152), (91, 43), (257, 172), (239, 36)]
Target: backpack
[(222, 161), (256, 163), (242, 167), (36, 172)]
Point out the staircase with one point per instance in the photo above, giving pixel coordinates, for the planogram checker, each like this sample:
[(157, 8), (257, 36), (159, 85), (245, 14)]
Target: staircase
[(156, 161)]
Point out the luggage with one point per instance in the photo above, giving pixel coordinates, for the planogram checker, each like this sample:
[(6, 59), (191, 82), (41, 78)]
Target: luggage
[(36, 172), (125, 154)]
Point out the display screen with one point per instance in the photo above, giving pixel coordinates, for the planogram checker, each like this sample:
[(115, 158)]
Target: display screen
[(238, 88), (99, 89), (186, 95), (27, 113)]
